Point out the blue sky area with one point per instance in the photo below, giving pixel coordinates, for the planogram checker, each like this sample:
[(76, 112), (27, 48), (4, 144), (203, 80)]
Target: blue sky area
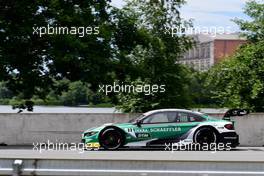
[(210, 13)]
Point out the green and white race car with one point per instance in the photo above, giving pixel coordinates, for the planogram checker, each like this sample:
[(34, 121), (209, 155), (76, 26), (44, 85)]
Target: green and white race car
[(158, 127)]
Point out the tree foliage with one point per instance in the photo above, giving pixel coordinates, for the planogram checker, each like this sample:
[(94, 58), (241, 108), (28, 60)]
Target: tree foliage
[(132, 45), (29, 63), (21, 61), (200, 91), (156, 60), (5, 93), (239, 80)]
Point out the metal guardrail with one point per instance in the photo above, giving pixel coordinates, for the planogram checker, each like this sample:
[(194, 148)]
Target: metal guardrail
[(120, 168)]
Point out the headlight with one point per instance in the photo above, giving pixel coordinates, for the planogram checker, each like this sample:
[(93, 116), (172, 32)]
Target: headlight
[(90, 133)]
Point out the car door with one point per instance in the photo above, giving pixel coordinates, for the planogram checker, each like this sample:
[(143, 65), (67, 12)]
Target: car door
[(185, 121)]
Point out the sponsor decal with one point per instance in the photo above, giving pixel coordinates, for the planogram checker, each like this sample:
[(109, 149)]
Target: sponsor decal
[(145, 130), (142, 135), (141, 130), (93, 145), (165, 129)]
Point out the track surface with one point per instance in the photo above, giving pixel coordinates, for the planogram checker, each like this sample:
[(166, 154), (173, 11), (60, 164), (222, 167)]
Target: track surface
[(241, 154)]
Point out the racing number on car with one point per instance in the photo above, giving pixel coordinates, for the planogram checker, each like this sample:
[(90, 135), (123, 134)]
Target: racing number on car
[(129, 130), (138, 133)]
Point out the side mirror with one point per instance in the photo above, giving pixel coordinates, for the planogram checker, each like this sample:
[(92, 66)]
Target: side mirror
[(138, 123)]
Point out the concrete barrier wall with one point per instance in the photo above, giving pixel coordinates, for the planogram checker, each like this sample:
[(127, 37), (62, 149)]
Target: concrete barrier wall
[(23, 129), (28, 128), (251, 129)]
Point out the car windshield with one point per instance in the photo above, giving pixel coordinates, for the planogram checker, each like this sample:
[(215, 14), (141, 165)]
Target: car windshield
[(136, 118)]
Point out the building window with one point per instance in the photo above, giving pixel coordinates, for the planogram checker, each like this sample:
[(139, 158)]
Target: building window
[(203, 52), (208, 51), (197, 54)]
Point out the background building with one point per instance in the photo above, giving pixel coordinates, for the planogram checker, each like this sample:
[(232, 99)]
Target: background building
[(210, 49)]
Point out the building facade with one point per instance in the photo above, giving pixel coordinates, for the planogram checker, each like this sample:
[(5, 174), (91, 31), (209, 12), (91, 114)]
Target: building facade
[(209, 50)]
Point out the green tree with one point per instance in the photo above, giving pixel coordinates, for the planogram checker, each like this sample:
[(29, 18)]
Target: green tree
[(21, 61), (200, 92), (239, 80), (30, 63), (156, 61), (77, 94), (5, 93), (132, 43)]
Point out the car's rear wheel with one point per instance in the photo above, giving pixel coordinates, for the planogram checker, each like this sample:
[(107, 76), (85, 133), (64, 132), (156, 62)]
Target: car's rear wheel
[(205, 135), (111, 139)]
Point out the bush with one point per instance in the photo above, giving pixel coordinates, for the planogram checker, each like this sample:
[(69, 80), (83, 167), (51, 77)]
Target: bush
[(5, 93), (77, 94)]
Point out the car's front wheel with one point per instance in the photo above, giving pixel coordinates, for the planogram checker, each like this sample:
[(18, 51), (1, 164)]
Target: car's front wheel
[(111, 139)]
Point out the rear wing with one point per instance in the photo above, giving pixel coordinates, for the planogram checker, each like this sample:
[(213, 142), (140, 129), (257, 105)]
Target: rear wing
[(235, 112)]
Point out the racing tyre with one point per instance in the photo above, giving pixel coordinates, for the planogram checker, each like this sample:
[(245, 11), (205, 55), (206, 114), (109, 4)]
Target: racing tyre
[(111, 139), (205, 135)]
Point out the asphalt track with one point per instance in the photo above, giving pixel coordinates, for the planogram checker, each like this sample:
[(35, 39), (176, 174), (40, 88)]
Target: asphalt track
[(240, 154)]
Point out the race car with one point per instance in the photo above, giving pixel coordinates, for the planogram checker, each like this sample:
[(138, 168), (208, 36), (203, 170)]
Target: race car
[(158, 127)]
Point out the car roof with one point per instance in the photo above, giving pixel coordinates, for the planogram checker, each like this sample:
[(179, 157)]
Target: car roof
[(172, 110)]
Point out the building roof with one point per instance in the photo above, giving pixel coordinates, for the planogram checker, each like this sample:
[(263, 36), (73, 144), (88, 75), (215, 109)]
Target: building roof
[(202, 38)]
